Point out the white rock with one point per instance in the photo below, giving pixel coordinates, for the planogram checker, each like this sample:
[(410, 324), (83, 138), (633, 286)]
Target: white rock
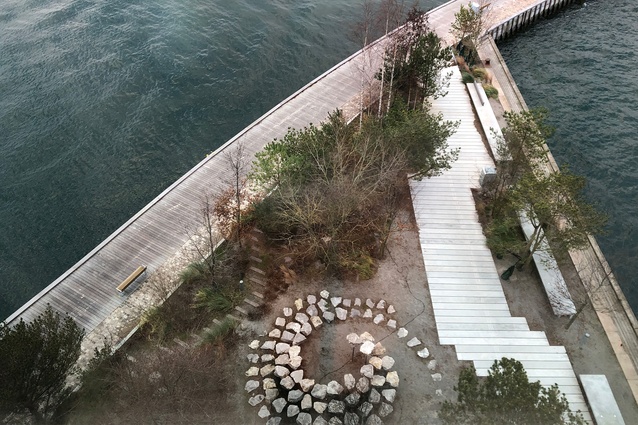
[(263, 412), (376, 362), (280, 321), (319, 406), (381, 305), (379, 349), (253, 371), (349, 381), (392, 324), (275, 333), (253, 358), (299, 304), (353, 338), (254, 401), (374, 396), (269, 383), (439, 392), (295, 362), (389, 394), (432, 364), (295, 396), (403, 332), (267, 370), (436, 377), (363, 385), (298, 339), (355, 312), (306, 329), (367, 347), (324, 294), (335, 301), (251, 385), (323, 304), (287, 336), (387, 362), (282, 360), (287, 383), (311, 299), (307, 384), (367, 370), (424, 354), (301, 318), (268, 345), (294, 351), (297, 375), (391, 309), (366, 337), (414, 342), (279, 404), (367, 314), (341, 313), (293, 326), (287, 311), (254, 344), (316, 321), (377, 381), (306, 402), (334, 388), (312, 310), (282, 347), (347, 302), (392, 378), (281, 371), (385, 409), (378, 319), (319, 391), (328, 316), (370, 303), (357, 302), (267, 358), (293, 410), (271, 394)]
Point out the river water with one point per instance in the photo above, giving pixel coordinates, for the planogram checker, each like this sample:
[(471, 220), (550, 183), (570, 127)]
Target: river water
[(103, 104), (582, 66)]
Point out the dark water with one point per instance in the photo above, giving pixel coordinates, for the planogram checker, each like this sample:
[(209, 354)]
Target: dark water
[(582, 65), (103, 104)]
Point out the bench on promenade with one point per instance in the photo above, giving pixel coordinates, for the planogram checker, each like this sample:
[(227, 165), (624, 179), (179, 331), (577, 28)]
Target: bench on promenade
[(555, 286), (137, 273), (601, 400)]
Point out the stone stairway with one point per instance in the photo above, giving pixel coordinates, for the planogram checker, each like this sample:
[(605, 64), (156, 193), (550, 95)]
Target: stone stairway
[(469, 304), (254, 280)]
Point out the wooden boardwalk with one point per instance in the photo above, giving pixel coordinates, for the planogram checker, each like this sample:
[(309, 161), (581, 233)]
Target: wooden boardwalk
[(470, 307)]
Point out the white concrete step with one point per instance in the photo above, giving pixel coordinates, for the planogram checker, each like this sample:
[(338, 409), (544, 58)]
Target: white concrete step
[(493, 341), (509, 351), (470, 313), (502, 334), (446, 327), (480, 320)]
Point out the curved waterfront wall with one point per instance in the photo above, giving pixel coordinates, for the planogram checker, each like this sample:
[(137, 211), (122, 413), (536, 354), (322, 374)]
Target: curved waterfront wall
[(537, 11)]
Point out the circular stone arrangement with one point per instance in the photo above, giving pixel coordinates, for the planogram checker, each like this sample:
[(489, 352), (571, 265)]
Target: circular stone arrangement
[(277, 380)]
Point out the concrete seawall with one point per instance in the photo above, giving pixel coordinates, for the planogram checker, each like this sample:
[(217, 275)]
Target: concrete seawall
[(529, 15)]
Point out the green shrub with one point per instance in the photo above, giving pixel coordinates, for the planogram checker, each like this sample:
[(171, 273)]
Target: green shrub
[(490, 91), (467, 77), (480, 73), (155, 323), (195, 272), (360, 263), (220, 332)]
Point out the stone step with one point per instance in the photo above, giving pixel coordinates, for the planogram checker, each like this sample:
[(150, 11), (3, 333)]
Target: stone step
[(235, 318), (254, 238), (257, 281), (255, 248), (257, 270), (181, 343), (256, 259), (258, 294), (241, 310), (255, 229), (251, 302)]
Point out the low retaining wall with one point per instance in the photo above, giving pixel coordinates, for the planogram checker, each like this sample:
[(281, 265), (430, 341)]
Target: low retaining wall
[(537, 11)]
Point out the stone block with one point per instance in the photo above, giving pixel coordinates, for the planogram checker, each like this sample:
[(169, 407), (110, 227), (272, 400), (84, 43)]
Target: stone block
[(342, 314), (251, 386)]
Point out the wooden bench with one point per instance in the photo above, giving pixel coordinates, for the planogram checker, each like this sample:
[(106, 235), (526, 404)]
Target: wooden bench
[(137, 273)]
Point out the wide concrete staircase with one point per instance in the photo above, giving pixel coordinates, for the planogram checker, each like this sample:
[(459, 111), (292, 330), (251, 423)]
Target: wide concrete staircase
[(470, 308)]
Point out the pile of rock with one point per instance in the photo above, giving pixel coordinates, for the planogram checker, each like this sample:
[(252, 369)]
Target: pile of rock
[(277, 379)]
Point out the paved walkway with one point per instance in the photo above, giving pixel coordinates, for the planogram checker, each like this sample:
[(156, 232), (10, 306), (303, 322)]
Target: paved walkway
[(469, 304)]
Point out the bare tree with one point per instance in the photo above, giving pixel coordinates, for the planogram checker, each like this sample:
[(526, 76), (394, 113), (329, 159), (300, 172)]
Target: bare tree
[(237, 164)]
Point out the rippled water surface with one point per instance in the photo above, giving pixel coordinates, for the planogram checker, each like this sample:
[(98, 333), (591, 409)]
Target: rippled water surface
[(582, 65), (103, 104)]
